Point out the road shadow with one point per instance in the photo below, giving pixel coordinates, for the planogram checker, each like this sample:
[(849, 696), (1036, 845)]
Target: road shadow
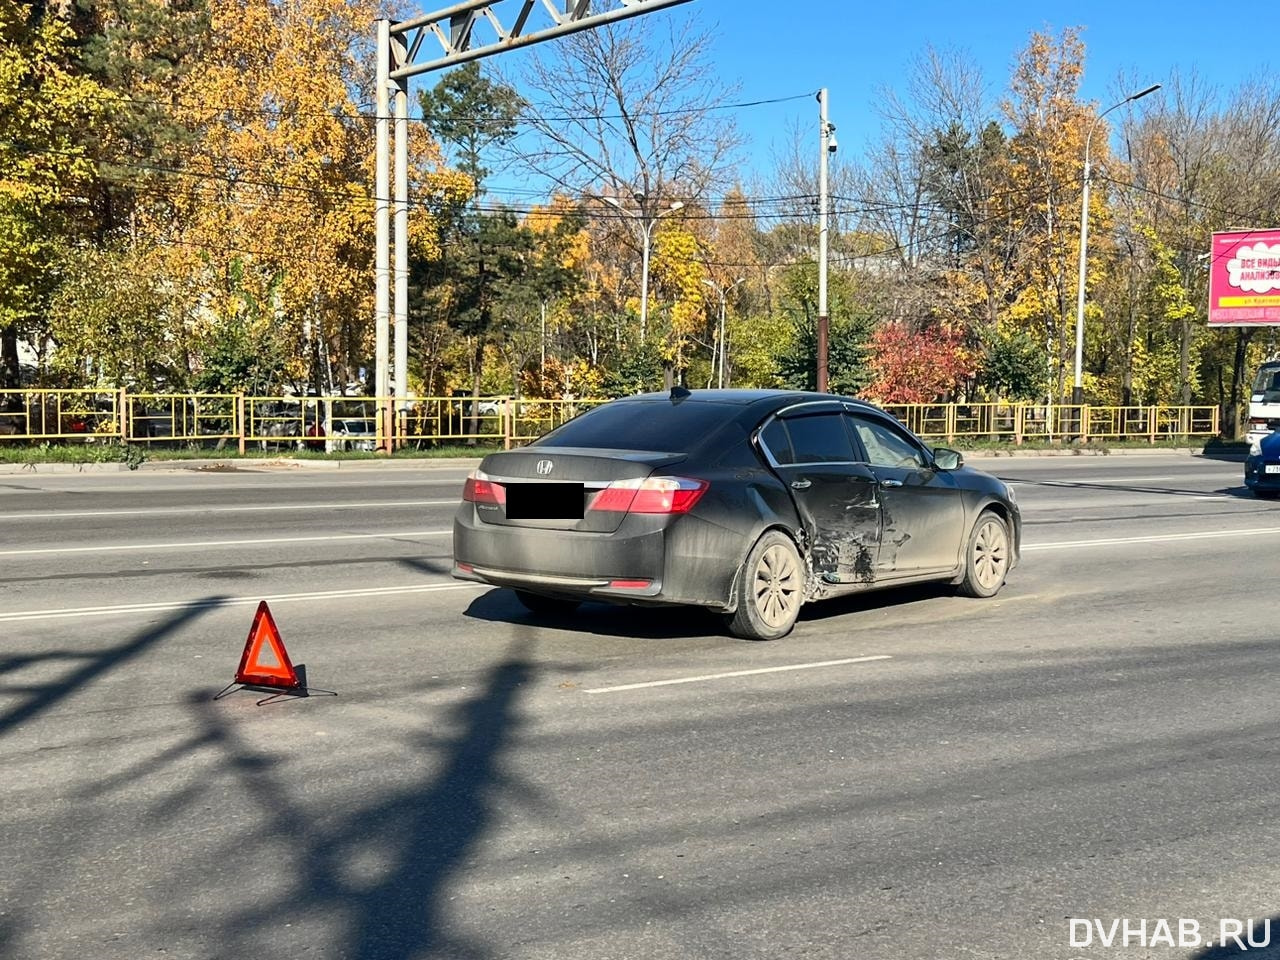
[(436, 566), (420, 833), (500, 605), (1244, 493), (882, 599), (675, 623), (1111, 487), (1261, 942), (89, 666)]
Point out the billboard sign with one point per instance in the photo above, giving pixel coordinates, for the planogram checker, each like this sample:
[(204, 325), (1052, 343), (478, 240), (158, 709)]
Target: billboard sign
[(1244, 279)]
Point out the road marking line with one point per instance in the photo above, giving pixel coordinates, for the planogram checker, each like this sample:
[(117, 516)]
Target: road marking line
[(117, 548), (735, 673), (178, 511), (70, 612), (1089, 480), (1155, 538)]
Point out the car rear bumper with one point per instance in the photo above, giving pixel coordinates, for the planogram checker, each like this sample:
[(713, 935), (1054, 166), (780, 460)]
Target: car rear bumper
[(561, 562), (661, 561)]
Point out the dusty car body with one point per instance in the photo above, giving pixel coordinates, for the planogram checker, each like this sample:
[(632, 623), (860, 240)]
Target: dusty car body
[(750, 502)]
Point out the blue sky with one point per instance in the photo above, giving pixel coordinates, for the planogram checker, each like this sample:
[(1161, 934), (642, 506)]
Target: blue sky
[(775, 49), (856, 48)]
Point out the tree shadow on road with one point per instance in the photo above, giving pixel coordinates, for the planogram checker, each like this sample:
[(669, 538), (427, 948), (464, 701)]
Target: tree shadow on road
[(602, 619), (419, 833), (1265, 934), (90, 665)]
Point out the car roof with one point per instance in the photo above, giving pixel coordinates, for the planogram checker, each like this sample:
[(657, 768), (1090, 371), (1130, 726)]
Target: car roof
[(772, 397)]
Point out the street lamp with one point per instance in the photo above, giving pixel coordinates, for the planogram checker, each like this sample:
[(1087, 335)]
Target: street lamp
[(646, 232), (1077, 390), (724, 293)]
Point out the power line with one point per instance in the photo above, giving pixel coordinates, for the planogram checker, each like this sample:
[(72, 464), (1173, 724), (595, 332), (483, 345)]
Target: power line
[(370, 115)]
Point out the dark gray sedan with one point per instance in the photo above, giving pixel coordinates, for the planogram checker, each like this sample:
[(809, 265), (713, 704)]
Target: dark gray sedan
[(750, 502)]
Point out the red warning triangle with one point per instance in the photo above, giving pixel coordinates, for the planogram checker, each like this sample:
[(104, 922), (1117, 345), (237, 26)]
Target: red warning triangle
[(265, 662)]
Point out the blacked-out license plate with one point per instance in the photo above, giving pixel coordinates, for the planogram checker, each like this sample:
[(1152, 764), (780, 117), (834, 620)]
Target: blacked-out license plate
[(544, 501)]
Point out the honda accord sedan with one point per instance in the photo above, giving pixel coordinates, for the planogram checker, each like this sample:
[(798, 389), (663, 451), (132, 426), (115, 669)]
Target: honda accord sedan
[(748, 502)]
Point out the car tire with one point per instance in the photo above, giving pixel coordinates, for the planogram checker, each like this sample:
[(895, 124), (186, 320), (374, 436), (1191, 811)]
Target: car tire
[(546, 606), (1266, 494), (769, 589), (986, 556)]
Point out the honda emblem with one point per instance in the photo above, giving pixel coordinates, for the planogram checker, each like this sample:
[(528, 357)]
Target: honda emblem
[(545, 467)]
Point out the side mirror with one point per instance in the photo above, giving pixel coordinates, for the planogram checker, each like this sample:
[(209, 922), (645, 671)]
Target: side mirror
[(945, 459)]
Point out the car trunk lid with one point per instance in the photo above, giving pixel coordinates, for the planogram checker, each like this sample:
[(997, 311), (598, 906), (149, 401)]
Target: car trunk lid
[(556, 487)]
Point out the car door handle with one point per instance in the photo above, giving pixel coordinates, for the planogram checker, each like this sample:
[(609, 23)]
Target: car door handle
[(890, 483), (801, 484)]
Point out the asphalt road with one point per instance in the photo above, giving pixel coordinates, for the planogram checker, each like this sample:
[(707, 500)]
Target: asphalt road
[(1099, 742)]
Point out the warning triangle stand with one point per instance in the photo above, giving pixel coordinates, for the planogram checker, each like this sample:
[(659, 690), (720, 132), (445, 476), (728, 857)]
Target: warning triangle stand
[(265, 663)]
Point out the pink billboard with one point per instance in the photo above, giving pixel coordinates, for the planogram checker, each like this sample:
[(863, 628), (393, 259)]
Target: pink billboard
[(1244, 279)]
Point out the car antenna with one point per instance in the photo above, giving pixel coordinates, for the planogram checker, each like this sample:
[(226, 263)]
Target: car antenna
[(679, 393)]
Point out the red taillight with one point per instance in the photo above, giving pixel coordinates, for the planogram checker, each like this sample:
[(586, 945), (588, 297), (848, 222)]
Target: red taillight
[(669, 495), (630, 584), (479, 489)]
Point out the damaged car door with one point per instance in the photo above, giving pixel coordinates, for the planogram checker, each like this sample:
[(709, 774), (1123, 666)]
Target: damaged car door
[(812, 451), (922, 507)]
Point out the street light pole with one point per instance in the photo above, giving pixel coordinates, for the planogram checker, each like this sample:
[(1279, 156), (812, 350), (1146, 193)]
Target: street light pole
[(1077, 389), (646, 233), (724, 293), (828, 146)]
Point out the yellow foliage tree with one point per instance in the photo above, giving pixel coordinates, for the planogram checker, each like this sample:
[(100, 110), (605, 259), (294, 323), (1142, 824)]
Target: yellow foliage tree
[(276, 214)]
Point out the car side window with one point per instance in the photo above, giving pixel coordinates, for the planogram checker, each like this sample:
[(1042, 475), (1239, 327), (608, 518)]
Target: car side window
[(885, 446), (775, 439), (820, 438)]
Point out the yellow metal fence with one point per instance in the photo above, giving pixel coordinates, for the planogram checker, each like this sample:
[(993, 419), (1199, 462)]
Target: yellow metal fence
[(1018, 423), (217, 421)]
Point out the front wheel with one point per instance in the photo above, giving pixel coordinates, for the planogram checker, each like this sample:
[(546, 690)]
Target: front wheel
[(770, 589), (986, 557)]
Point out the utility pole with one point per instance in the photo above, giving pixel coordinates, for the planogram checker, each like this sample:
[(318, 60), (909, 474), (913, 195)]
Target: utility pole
[(457, 30), (828, 146)]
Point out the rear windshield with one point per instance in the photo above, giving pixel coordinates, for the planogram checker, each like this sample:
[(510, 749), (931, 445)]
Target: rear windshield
[(653, 425)]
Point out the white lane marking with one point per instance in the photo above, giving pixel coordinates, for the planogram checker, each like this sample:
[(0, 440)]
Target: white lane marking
[(187, 544), (735, 673), (1072, 483), (198, 604), (1148, 500), (1154, 538), (267, 508)]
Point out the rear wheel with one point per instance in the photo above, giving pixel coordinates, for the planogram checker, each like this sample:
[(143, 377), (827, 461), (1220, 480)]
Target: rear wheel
[(986, 557), (546, 606), (770, 589)]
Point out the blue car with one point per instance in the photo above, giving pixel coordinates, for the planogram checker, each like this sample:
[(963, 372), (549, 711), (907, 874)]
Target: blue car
[(1262, 469)]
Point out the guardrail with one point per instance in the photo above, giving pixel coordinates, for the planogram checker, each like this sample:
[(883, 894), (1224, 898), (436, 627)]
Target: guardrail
[(1017, 423), (369, 423)]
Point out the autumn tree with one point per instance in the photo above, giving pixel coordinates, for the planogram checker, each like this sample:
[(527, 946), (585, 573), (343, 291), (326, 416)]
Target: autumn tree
[(275, 207), (917, 367), (47, 105)]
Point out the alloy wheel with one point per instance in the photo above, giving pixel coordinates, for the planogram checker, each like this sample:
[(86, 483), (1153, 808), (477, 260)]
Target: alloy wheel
[(777, 586), (991, 554)]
